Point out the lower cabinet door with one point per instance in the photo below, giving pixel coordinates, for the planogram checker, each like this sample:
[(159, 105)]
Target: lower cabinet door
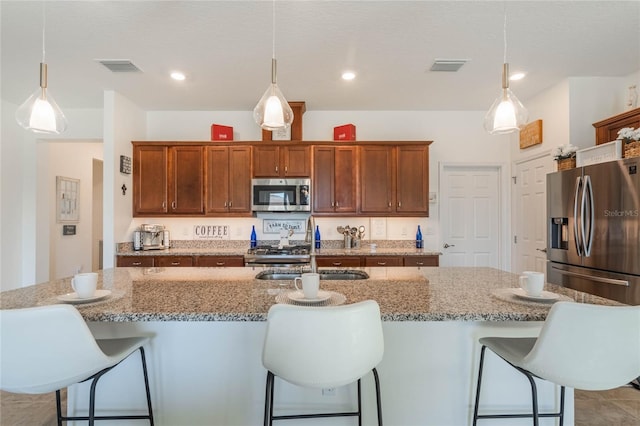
[(220, 261), (143, 261), (383, 261), (169, 261)]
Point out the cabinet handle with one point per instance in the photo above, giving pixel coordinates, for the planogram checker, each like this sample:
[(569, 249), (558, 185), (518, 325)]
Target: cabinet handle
[(164, 205), (219, 263), (286, 169), (382, 263), (136, 264), (276, 169), (399, 203), (230, 203), (337, 204), (175, 263), (333, 204), (173, 205), (420, 263), (337, 263), (389, 203), (225, 204)]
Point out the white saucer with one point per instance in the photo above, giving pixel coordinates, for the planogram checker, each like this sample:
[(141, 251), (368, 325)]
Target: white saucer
[(73, 297), (544, 296), (298, 296)]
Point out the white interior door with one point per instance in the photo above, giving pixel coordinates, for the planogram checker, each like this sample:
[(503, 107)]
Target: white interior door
[(530, 207), (470, 215)]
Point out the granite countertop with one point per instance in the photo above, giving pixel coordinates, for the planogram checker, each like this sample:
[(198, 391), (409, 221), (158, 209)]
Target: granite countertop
[(202, 251), (233, 294)]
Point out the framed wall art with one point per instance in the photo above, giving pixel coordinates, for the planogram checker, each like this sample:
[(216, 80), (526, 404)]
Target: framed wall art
[(67, 199)]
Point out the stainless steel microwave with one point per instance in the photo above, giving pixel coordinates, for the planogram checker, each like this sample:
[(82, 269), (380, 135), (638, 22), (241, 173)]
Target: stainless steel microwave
[(281, 195)]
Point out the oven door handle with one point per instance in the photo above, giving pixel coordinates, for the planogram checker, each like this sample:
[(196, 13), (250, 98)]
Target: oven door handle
[(591, 277)]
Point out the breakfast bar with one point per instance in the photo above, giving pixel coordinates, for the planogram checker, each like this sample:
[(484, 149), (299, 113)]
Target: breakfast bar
[(208, 326)]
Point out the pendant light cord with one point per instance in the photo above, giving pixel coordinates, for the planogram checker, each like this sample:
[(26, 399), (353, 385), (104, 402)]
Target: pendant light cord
[(43, 29), (273, 27), (504, 33)]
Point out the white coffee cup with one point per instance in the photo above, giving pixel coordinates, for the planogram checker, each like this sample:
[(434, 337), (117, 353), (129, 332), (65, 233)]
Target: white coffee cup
[(532, 282), (310, 284), (85, 284)]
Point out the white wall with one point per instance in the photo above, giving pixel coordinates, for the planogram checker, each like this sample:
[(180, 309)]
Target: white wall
[(123, 122), (68, 254), (458, 137)]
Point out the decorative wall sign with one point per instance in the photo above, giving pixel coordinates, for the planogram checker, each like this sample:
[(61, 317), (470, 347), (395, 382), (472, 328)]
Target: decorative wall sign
[(274, 226), (68, 230), (67, 199), (531, 134), (211, 232)]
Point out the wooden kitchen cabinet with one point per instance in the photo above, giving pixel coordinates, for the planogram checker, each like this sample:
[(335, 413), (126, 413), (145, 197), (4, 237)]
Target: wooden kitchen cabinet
[(143, 261), (429, 260), (173, 261), (167, 180), (394, 180), (281, 161), (376, 180), (607, 130), (219, 261), (334, 179), (338, 261), (227, 172), (383, 261)]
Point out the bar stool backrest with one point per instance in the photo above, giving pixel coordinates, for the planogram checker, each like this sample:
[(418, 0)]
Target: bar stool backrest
[(322, 347), (46, 348), (589, 347)]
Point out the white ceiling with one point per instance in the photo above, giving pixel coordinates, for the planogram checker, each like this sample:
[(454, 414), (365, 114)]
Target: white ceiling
[(224, 47)]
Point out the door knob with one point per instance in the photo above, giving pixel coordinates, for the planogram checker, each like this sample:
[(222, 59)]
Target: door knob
[(448, 245), (544, 250)]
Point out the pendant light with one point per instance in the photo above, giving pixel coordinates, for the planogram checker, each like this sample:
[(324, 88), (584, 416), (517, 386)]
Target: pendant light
[(273, 111), (40, 113), (507, 114)]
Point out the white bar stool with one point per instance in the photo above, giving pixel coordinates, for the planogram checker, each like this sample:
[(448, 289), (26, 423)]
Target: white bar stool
[(582, 346), (48, 348), (322, 347)]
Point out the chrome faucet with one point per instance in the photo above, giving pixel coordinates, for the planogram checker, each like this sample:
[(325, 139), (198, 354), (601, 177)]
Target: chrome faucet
[(309, 238)]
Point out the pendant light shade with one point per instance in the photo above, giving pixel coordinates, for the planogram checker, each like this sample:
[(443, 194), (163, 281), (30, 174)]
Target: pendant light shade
[(40, 113), (273, 111), (507, 114)]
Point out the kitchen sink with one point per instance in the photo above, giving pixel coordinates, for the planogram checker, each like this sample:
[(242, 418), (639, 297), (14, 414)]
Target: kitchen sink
[(324, 275)]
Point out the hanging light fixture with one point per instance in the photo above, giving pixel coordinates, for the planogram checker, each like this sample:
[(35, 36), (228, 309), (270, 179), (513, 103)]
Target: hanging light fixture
[(507, 114), (40, 113), (273, 111)]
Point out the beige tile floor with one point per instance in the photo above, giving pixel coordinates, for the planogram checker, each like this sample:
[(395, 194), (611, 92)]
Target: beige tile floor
[(617, 407)]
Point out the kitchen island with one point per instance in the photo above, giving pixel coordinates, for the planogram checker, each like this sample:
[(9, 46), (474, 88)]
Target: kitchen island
[(208, 323)]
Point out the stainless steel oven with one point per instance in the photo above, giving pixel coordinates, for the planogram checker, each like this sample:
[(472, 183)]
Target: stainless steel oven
[(281, 195)]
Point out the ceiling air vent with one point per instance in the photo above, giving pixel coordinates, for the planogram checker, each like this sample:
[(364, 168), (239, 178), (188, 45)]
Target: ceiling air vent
[(119, 65), (448, 65)]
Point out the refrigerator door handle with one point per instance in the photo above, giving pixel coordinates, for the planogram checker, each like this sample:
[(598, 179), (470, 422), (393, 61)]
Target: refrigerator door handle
[(576, 235), (591, 277), (588, 191)]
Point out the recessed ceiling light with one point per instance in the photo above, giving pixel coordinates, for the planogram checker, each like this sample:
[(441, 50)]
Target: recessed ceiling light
[(348, 75), (517, 76), (177, 75)]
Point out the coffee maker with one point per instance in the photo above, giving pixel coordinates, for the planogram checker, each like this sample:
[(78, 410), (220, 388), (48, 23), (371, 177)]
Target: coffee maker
[(151, 237)]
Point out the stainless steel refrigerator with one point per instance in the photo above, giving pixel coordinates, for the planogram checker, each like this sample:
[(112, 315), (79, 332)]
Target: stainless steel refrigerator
[(593, 220)]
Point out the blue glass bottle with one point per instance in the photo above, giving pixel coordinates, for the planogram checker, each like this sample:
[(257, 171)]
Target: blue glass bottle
[(317, 237), (419, 242), (254, 237)]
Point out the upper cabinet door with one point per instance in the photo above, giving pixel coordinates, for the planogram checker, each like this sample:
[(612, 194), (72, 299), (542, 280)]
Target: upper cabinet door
[(150, 180), (376, 180), (322, 185), (346, 179), (216, 188), (186, 191), (297, 161), (266, 161), (412, 171), (240, 179)]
